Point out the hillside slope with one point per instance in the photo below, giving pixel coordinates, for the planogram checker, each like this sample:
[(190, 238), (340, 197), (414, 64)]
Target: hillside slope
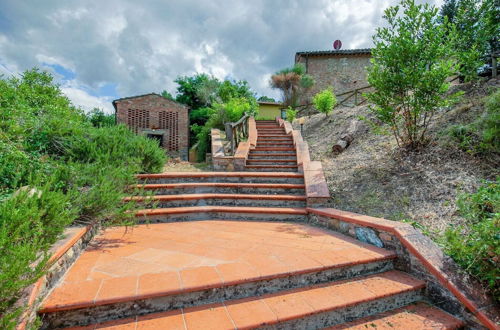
[(373, 176)]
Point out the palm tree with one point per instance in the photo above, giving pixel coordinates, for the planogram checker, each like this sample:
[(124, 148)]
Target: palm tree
[(292, 82)]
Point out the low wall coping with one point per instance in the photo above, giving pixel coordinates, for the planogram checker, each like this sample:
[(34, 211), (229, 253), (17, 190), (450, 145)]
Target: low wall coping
[(409, 237)]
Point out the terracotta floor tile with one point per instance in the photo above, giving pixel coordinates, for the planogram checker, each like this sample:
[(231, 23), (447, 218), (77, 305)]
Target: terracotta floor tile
[(299, 262), (208, 317), (239, 272), (178, 260), (128, 267), (287, 306), (78, 272), (267, 265), (74, 294), (350, 292), (96, 275), (172, 320), (200, 278), (320, 298), (117, 289), (389, 283), (159, 282), (124, 324), (250, 313)]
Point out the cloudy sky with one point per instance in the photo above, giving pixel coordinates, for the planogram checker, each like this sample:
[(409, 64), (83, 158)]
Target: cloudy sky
[(100, 50)]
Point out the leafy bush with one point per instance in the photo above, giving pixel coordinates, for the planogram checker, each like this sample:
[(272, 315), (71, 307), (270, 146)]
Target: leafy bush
[(99, 118), (476, 245), (57, 166), (483, 135), (324, 101), (412, 58), (30, 223), (291, 114)]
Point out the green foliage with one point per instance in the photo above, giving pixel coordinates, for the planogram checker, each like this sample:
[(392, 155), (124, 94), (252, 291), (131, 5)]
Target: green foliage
[(477, 29), (57, 166), (412, 58), (166, 94), (188, 90), (202, 90), (292, 83), (291, 114), (199, 116), (30, 222), (100, 119), (471, 37), (325, 101), (266, 99), (218, 115), (213, 103), (476, 245), (482, 137)]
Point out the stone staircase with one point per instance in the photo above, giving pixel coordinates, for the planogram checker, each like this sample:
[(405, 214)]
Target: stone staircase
[(252, 262), (274, 151)]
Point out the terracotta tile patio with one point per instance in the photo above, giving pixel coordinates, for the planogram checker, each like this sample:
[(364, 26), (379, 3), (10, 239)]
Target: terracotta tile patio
[(160, 259)]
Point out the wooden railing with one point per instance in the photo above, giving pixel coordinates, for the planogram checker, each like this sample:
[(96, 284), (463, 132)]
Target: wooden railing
[(356, 93), (236, 132)]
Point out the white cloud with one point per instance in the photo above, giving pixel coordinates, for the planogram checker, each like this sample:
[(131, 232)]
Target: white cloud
[(143, 46), (81, 98)]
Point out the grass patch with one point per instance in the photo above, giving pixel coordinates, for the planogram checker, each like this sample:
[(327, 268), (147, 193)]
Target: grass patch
[(475, 246)]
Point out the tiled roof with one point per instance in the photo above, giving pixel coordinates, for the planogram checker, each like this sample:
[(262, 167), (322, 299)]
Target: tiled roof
[(268, 103), (133, 97), (136, 96), (361, 51)]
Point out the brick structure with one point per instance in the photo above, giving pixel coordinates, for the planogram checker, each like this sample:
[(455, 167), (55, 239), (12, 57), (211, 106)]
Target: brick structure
[(156, 117), (345, 70)]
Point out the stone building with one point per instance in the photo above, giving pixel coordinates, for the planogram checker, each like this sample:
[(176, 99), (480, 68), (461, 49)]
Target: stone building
[(156, 117), (345, 70)]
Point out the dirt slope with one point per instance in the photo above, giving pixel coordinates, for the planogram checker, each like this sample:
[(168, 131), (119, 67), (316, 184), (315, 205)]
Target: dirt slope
[(373, 176)]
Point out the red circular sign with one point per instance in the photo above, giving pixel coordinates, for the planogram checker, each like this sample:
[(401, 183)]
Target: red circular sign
[(337, 44)]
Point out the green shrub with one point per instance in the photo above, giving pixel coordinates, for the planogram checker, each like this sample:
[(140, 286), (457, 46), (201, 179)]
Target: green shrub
[(31, 223), (57, 166), (325, 101), (411, 61), (291, 114), (476, 245), (482, 136)]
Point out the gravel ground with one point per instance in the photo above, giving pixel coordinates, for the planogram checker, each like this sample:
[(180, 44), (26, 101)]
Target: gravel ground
[(374, 177)]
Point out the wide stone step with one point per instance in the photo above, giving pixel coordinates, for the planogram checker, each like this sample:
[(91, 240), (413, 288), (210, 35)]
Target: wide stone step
[(272, 151), (272, 161), (244, 213), (310, 307), (264, 144), (164, 267), (272, 168), (277, 149), (273, 135), (228, 188), (276, 138), (415, 316), (183, 200), (291, 156), (232, 177)]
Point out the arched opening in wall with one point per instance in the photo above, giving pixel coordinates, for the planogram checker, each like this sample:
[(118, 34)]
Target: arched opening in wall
[(170, 120)]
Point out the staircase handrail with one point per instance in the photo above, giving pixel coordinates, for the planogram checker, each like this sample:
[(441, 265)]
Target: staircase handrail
[(236, 132)]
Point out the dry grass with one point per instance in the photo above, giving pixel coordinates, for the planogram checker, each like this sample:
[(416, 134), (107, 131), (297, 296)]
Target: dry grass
[(182, 166), (374, 177)]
